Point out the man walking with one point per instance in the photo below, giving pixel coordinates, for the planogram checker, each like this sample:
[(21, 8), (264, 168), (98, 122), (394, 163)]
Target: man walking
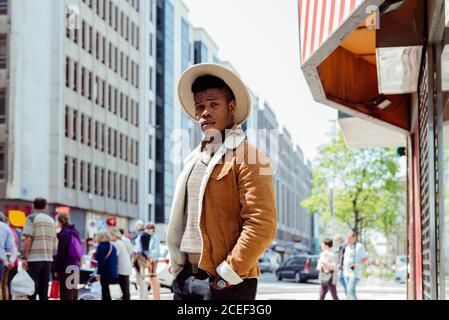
[(354, 258), (340, 247), (8, 255), (39, 245), (223, 215)]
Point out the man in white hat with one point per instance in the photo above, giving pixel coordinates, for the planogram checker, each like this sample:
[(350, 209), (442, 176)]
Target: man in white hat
[(223, 215)]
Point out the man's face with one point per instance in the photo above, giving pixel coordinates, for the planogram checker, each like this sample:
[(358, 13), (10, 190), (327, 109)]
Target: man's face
[(213, 112), (350, 239)]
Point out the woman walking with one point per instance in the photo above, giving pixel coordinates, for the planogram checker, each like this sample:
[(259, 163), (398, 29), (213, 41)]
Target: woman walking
[(124, 263), (154, 252), (328, 267), (65, 257), (107, 263)]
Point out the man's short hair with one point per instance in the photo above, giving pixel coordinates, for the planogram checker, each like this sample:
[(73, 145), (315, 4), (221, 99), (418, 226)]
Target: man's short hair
[(328, 242), (40, 203), (150, 226), (206, 82)]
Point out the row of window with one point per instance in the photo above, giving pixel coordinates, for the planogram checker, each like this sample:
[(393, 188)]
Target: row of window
[(107, 54), (117, 19), (85, 177), (82, 128), (101, 93)]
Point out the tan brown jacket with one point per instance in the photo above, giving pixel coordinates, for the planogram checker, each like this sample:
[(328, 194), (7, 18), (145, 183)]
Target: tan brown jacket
[(237, 212)]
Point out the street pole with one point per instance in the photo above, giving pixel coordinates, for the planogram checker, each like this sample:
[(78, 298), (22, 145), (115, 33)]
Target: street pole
[(331, 206)]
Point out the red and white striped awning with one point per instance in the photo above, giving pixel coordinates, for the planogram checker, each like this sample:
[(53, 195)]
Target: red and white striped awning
[(318, 19)]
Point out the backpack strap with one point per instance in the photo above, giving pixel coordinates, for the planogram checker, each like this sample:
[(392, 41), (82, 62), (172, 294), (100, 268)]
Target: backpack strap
[(109, 252)]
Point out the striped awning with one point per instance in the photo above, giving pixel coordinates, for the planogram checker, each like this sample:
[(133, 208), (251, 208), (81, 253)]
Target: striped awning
[(319, 19)]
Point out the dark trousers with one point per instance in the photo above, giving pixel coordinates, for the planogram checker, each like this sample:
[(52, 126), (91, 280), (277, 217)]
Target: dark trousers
[(64, 292), (330, 287), (194, 286), (105, 292), (123, 281), (39, 271)]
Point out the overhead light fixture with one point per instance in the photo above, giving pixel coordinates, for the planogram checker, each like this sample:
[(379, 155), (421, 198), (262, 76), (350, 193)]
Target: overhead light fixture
[(390, 6), (380, 102)]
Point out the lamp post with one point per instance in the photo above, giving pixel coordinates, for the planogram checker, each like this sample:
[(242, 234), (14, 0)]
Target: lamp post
[(331, 206)]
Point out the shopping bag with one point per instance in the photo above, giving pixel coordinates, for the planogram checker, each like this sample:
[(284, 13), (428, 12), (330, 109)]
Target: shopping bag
[(54, 290), (22, 284)]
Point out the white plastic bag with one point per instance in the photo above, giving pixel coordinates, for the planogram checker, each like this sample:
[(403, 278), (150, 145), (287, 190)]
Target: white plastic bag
[(22, 284)]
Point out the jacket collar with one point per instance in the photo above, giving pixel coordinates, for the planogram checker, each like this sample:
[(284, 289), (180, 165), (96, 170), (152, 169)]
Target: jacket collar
[(233, 139)]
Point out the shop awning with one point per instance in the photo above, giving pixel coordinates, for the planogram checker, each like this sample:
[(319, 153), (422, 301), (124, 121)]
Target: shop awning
[(365, 72)]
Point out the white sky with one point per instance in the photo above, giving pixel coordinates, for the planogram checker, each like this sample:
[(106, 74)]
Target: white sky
[(261, 40)]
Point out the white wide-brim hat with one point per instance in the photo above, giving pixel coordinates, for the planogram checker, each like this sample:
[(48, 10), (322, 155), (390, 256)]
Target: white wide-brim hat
[(241, 94)]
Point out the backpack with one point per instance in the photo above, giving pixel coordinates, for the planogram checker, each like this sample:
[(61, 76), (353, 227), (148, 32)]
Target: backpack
[(75, 247)]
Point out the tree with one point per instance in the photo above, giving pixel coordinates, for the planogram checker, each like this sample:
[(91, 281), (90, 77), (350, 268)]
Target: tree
[(365, 188)]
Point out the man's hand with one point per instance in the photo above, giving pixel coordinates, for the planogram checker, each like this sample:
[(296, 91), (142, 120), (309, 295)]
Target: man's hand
[(25, 264), (219, 283)]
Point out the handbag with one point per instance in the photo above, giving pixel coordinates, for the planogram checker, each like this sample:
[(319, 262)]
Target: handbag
[(326, 278)]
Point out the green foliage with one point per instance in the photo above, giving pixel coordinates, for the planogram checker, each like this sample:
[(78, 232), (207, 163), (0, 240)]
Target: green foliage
[(365, 189)]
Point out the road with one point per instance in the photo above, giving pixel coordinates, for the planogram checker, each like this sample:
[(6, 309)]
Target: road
[(271, 289)]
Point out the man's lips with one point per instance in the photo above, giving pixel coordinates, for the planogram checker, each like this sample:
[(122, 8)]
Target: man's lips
[(207, 123)]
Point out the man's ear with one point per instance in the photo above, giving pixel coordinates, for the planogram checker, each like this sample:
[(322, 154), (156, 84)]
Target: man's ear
[(231, 106)]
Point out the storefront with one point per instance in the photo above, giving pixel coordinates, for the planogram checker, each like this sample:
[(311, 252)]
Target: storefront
[(385, 65)]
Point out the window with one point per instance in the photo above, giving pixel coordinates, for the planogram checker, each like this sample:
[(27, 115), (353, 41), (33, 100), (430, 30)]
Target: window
[(3, 7), (66, 171), (97, 133), (74, 172), (90, 86), (83, 81), (67, 121), (89, 178), (151, 148), (102, 182), (110, 55), (75, 77), (82, 128), (103, 93), (109, 184), (103, 51), (114, 186), (2, 106), (82, 180), (97, 180), (3, 50), (97, 46), (151, 44), (116, 59), (75, 125), (127, 68), (109, 97), (121, 105), (103, 134), (97, 95), (120, 185), (83, 35), (150, 181), (89, 132), (115, 144), (2, 162), (126, 107), (151, 79), (67, 72), (109, 140), (91, 39), (120, 147)]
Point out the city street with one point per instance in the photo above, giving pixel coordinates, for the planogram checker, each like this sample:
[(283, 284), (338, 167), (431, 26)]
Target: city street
[(271, 289)]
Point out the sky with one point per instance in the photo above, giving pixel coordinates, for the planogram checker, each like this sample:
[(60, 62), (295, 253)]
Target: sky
[(260, 38)]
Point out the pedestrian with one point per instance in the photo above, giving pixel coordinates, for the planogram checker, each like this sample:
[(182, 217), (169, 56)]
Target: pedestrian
[(66, 261), (106, 256), (39, 245), (355, 257), (154, 251), (223, 214), (328, 268), (127, 242), (124, 263), (339, 249), (8, 255), (140, 262)]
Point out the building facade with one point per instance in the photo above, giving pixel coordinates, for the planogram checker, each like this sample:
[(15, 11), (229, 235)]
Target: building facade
[(75, 129)]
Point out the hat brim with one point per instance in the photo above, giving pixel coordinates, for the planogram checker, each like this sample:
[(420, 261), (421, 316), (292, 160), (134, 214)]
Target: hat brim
[(241, 93)]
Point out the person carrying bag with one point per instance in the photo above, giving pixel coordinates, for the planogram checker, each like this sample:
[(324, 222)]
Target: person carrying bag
[(328, 267)]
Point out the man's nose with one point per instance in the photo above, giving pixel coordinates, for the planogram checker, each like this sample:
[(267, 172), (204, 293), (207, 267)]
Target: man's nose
[(206, 113)]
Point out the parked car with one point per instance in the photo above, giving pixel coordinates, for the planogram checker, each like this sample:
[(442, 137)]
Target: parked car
[(267, 265), (299, 268)]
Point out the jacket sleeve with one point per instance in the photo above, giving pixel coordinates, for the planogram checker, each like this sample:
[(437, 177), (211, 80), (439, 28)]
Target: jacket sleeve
[(258, 214)]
